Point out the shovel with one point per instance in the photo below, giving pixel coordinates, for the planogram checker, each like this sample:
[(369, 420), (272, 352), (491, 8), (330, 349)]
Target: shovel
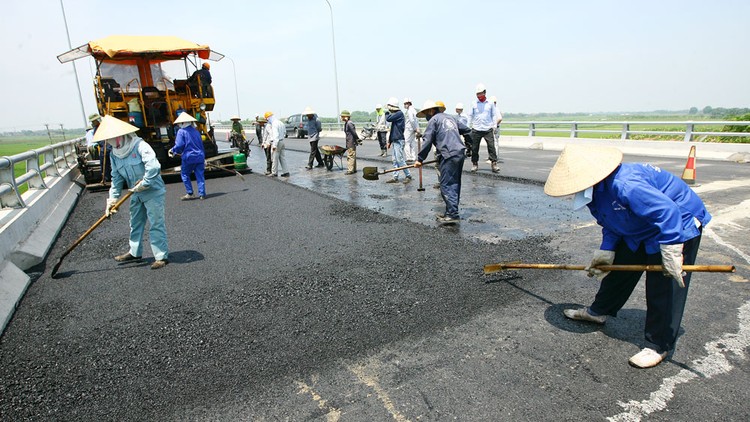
[(493, 268), (372, 173), (235, 172), (88, 232)]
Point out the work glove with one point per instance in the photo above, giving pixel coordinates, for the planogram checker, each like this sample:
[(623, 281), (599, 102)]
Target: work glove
[(170, 153), (601, 257), (139, 187), (108, 211), (671, 259)]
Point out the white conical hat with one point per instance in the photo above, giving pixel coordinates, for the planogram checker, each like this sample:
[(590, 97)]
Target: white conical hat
[(235, 117), (579, 167), (308, 110), (112, 127), (428, 105), (184, 117)]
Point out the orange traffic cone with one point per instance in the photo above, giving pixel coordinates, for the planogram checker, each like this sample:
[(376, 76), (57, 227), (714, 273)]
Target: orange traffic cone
[(688, 175)]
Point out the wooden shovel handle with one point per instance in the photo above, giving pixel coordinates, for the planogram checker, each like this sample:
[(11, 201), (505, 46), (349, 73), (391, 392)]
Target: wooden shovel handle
[(407, 167), (493, 268)]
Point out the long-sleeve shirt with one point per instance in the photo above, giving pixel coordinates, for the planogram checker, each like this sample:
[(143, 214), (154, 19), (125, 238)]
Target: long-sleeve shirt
[(483, 116), (277, 131), (381, 125), (140, 164), (314, 127), (444, 132), (412, 121), (398, 123), (351, 134), (189, 144), (642, 204)]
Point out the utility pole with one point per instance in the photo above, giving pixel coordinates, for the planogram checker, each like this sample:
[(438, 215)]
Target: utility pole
[(75, 71), (48, 134), (335, 70)]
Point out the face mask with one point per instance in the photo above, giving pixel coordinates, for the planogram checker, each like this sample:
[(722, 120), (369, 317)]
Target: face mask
[(481, 97), (582, 198)]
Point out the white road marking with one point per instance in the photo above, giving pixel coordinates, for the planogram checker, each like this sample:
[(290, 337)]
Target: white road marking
[(366, 376), (716, 362), (333, 414)]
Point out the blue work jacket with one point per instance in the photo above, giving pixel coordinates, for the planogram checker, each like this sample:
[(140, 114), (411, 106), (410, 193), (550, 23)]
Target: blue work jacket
[(642, 204), (140, 164), (398, 124), (313, 129), (190, 145), (444, 131)]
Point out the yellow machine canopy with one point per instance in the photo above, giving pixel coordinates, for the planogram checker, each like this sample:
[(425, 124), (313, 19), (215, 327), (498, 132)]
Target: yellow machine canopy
[(129, 47)]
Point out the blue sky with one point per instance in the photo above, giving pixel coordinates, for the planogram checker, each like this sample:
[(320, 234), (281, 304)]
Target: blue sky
[(535, 56)]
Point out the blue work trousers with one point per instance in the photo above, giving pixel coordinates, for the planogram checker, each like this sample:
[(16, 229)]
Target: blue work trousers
[(450, 183), (665, 299), (199, 169), (149, 208), (397, 155)]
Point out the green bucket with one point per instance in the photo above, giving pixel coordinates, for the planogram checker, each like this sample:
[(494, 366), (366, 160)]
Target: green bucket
[(240, 161)]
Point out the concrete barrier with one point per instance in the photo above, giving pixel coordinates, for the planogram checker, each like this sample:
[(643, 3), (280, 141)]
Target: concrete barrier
[(28, 234)]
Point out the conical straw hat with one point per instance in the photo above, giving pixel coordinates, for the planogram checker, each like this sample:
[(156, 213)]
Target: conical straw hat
[(184, 118), (308, 110), (580, 167), (112, 127)]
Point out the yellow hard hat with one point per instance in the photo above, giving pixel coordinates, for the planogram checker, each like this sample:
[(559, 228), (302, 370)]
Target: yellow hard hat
[(268, 114), (207, 65)]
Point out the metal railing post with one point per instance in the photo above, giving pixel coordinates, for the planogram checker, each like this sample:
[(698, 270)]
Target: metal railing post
[(11, 198), (32, 164), (532, 129), (574, 130), (689, 131), (625, 131)]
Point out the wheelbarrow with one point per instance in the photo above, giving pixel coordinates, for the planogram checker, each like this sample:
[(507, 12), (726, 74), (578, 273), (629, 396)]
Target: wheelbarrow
[(329, 152)]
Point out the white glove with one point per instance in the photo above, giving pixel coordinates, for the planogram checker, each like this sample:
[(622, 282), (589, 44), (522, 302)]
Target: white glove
[(671, 259), (108, 211), (601, 257), (170, 153), (139, 187)]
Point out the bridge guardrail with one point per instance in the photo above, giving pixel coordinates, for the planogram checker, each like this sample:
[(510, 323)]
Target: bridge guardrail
[(574, 128), (40, 163)]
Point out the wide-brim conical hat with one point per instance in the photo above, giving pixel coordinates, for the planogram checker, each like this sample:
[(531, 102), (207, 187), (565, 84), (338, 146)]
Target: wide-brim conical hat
[(308, 110), (184, 118), (429, 104), (580, 167), (112, 127)]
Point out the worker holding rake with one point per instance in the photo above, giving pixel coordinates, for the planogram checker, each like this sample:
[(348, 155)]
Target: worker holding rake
[(648, 216)]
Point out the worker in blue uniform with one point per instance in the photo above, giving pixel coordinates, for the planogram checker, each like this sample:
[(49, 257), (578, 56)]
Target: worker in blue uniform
[(648, 216), (396, 118), (134, 164), (444, 132), (189, 144)]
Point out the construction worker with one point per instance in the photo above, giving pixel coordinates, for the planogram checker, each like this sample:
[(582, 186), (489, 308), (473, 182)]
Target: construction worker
[(395, 117), (260, 128), (188, 143), (465, 120), (411, 129), (237, 133), (200, 82), (352, 140), (274, 135), (134, 164), (381, 128), (99, 149), (314, 127), (648, 216), (496, 131), (444, 132), (483, 119)]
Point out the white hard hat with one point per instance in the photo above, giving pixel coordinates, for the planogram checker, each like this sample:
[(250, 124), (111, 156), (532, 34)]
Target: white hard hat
[(459, 106), (378, 105), (407, 100), (480, 88), (392, 102)]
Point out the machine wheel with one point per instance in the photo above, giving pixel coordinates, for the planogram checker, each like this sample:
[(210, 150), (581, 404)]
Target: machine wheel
[(328, 160), (296, 133)]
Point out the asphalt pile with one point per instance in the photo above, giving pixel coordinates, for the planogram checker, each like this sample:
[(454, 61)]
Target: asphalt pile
[(267, 281)]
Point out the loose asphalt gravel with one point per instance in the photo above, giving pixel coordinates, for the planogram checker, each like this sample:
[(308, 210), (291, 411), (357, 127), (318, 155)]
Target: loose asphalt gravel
[(267, 281)]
